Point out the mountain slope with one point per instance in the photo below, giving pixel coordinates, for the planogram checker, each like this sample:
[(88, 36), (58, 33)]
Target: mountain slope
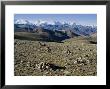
[(51, 32), (73, 57), (42, 35)]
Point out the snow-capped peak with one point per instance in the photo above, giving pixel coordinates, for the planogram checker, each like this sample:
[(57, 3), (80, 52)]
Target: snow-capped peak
[(21, 21), (39, 22)]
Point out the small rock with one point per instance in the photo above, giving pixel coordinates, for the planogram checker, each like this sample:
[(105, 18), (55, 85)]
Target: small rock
[(83, 49), (48, 49), (91, 53), (36, 65), (28, 64), (47, 67), (66, 73), (42, 44), (68, 51), (81, 64), (21, 61), (79, 58), (41, 65), (88, 61), (75, 62)]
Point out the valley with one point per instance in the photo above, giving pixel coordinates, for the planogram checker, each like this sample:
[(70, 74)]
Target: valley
[(57, 49)]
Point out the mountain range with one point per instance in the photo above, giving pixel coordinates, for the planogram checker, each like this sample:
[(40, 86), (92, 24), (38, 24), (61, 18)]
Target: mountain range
[(55, 31)]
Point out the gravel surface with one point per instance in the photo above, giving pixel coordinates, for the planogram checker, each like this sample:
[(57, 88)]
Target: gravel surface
[(72, 57)]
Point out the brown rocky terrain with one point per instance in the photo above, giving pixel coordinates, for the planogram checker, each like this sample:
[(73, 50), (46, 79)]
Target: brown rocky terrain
[(71, 57)]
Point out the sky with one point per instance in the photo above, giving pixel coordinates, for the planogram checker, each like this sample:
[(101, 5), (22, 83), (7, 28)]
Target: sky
[(83, 19)]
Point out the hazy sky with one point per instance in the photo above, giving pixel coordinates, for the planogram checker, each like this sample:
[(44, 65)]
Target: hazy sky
[(83, 19)]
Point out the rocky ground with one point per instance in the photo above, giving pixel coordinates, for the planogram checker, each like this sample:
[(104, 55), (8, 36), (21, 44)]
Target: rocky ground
[(72, 57)]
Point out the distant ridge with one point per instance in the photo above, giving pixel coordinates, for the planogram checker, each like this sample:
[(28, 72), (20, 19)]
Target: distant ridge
[(56, 31)]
